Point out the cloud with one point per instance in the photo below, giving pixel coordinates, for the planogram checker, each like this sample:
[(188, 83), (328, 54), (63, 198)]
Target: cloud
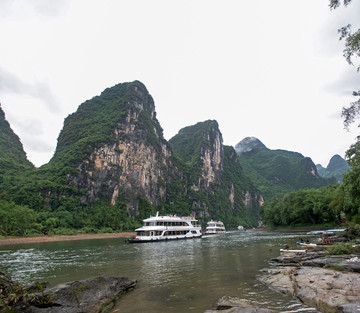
[(347, 82), (24, 9), (38, 145), (11, 84)]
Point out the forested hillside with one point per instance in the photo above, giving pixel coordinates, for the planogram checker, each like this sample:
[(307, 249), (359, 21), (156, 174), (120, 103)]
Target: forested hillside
[(231, 195), (277, 172), (112, 168), (331, 206), (337, 167), (12, 154)]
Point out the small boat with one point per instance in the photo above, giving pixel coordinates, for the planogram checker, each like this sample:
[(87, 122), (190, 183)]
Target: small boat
[(307, 244), (241, 228), (166, 227), (292, 251), (327, 232), (215, 227)]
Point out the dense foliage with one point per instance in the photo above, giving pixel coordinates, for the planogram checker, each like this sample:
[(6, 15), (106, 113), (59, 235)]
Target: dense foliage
[(325, 205), (351, 183), (304, 207), (12, 155), (277, 172)]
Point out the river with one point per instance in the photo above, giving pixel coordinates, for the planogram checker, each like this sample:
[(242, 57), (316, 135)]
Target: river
[(173, 276)]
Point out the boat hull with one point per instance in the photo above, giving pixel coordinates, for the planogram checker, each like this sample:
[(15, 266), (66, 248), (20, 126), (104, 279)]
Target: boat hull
[(136, 240)]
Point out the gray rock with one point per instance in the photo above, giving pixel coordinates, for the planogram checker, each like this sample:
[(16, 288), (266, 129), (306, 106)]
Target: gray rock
[(235, 305), (326, 289), (86, 296)]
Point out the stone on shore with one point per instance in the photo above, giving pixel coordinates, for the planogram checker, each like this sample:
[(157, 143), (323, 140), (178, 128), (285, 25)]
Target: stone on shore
[(234, 305), (312, 281), (92, 295)]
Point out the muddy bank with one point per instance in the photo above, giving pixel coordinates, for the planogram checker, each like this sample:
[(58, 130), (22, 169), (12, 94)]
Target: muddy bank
[(23, 240)]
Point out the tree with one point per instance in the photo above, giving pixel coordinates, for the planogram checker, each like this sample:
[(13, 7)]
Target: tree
[(352, 49), (351, 182)]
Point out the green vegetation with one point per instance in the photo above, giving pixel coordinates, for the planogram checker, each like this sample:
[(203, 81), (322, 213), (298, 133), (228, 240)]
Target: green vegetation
[(14, 295), (40, 200), (52, 199), (277, 172), (351, 183), (324, 205), (70, 219), (189, 145), (12, 155), (337, 167), (336, 267), (342, 248), (304, 207)]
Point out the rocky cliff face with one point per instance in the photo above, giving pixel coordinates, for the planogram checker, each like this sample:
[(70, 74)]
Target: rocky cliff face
[(211, 157), (215, 171), (111, 156), (137, 160), (249, 144)]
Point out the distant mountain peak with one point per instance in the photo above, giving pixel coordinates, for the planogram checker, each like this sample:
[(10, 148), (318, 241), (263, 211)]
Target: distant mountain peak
[(337, 167), (249, 144)]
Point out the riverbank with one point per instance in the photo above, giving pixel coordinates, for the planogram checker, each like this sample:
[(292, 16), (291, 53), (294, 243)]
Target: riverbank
[(12, 240), (330, 283)]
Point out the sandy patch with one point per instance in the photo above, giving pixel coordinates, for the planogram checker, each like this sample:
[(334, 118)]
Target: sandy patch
[(22, 240)]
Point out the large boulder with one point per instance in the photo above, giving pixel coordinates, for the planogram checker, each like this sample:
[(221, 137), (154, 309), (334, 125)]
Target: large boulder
[(326, 289), (86, 296)]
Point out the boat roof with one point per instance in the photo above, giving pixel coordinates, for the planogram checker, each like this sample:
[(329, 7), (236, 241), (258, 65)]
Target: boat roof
[(169, 218)]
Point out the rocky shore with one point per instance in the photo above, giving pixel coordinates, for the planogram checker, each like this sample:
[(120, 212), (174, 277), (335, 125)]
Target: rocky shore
[(330, 283), (93, 295)]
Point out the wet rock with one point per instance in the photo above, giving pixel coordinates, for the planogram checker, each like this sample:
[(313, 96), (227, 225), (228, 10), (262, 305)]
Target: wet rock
[(326, 289), (86, 296), (234, 305), (349, 262)]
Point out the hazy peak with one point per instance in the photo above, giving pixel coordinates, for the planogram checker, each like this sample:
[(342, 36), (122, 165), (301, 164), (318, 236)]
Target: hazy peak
[(249, 144)]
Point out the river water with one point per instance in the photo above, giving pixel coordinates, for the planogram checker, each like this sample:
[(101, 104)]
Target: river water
[(173, 276)]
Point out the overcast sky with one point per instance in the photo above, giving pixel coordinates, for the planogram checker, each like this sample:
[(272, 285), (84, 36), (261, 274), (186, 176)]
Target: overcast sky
[(269, 69)]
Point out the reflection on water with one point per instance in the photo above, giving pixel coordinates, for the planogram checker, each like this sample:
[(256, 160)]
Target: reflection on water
[(174, 276)]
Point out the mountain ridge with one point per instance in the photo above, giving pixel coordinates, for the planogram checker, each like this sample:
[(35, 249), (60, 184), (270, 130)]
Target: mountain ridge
[(277, 172), (336, 167), (112, 165)]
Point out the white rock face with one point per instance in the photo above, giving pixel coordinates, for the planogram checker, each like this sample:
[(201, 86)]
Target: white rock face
[(248, 144)]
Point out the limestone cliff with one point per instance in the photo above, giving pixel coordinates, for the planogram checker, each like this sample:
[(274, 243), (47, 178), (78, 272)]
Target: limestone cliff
[(112, 160), (219, 188), (134, 158)]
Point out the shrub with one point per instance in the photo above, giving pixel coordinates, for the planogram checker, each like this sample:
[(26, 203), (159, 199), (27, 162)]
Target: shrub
[(342, 248)]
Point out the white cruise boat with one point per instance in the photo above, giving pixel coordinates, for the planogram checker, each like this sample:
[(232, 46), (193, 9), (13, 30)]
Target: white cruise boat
[(215, 227), (167, 227)]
